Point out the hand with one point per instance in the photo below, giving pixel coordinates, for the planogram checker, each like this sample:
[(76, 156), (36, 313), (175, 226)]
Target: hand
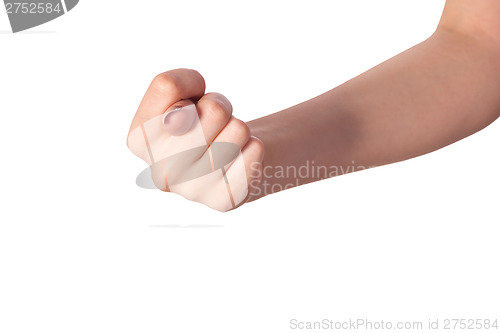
[(194, 145)]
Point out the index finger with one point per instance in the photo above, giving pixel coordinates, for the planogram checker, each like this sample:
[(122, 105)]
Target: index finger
[(166, 89)]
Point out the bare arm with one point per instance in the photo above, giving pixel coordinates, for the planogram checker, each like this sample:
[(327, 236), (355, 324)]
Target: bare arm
[(436, 93)]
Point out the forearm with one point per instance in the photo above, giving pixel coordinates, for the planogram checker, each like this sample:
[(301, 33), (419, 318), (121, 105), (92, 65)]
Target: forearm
[(425, 98)]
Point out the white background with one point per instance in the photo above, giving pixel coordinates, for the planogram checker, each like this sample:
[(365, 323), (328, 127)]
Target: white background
[(82, 249)]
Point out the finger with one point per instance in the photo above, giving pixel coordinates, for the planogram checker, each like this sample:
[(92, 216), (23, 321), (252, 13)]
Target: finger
[(214, 111), (228, 144), (236, 131), (245, 171), (166, 89), (253, 153)]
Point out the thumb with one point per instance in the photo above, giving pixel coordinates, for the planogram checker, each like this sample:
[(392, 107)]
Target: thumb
[(179, 118)]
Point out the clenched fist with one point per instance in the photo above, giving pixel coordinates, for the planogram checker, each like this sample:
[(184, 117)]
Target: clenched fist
[(193, 144)]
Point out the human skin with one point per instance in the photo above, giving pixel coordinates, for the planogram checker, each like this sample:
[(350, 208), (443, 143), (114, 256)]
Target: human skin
[(435, 93), (185, 159)]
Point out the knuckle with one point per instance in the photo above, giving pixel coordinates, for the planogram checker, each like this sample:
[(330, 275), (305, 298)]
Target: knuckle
[(224, 101), (258, 144), (165, 83), (216, 110), (196, 73), (240, 128)]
